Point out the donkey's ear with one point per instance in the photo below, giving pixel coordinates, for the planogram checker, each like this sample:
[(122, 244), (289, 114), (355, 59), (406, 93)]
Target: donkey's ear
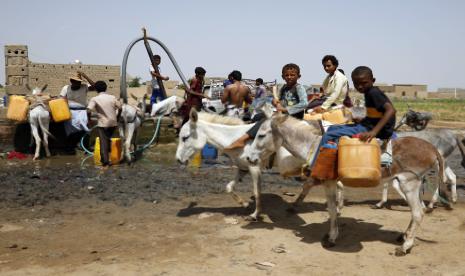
[(194, 117), (267, 110), (43, 88)]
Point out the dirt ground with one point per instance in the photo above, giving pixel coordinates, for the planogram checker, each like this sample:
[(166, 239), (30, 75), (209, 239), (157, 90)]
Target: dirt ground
[(60, 216)]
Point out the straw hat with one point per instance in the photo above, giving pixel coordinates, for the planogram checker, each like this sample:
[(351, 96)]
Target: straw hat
[(75, 77)]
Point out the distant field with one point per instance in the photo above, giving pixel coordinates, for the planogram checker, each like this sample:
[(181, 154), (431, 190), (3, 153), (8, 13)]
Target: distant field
[(442, 109)]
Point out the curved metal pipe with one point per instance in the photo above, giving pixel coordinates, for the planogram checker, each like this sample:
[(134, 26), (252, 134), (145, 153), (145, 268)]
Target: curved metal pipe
[(123, 85)]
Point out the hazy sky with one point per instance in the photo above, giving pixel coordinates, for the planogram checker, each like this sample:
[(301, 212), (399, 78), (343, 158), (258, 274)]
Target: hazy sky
[(402, 41)]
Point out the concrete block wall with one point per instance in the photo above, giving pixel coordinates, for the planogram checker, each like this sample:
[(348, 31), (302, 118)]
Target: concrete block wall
[(57, 75), (19, 71)]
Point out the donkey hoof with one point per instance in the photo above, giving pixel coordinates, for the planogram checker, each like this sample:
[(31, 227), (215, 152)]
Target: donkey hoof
[(250, 218), (326, 243), (429, 210), (400, 252), (377, 206), (400, 238)]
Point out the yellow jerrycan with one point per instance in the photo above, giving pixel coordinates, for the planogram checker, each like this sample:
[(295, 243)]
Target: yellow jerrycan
[(196, 160), (60, 110), (359, 163), (115, 153), (18, 108)]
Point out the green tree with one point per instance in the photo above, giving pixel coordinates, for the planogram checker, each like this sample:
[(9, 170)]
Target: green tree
[(1, 86), (135, 82)]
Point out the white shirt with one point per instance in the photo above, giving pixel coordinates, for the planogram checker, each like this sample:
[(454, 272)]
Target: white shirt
[(154, 79), (77, 96), (335, 88)]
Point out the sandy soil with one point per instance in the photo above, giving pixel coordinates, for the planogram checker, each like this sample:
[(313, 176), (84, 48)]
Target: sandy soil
[(155, 219)]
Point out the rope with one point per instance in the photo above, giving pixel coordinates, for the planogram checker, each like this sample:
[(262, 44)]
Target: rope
[(154, 136)]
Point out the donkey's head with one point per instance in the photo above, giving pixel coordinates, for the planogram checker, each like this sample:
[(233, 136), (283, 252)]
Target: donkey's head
[(190, 138), (36, 90), (140, 102), (265, 143)]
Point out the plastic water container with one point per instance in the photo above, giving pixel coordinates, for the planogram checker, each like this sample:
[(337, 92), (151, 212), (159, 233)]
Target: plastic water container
[(18, 108), (209, 152), (335, 116), (115, 153), (359, 162), (196, 160), (60, 110), (313, 117)]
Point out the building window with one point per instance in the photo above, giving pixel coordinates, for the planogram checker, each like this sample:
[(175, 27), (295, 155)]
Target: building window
[(403, 93), (111, 80)]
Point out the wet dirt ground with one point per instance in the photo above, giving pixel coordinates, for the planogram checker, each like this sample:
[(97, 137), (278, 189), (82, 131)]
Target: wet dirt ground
[(63, 215)]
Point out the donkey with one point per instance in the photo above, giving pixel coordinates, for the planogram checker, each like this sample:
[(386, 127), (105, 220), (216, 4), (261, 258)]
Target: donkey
[(131, 119), (446, 142), (220, 131), (39, 116), (413, 158)]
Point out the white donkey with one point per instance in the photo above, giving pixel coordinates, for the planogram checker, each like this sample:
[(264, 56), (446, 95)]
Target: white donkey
[(131, 119), (220, 132), (39, 116), (413, 158)]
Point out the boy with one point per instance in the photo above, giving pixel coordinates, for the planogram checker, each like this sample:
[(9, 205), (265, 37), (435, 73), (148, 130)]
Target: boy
[(194, 95), (107, 107), (157, 93), (292, 100), (380, 119)]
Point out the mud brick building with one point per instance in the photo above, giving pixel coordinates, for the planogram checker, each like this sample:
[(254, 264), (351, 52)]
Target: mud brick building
[(19, 71)]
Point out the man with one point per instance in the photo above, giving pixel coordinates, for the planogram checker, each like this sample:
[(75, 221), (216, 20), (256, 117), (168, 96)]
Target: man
[(335, 86), (106, 106), (235, 95), (76, 95)]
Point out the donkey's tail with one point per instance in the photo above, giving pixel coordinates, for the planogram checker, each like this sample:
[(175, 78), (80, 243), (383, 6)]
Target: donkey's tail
[(460, 143), (442, 176), (44, 129)]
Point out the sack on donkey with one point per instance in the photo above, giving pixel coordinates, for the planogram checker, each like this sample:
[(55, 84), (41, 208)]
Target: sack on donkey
[(325, 167)]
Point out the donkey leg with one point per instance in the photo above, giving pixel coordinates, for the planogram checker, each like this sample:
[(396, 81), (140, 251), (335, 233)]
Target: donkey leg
[(396, 185), (411, 189), (340, 197), (127, 143), (383, 201), (46, 124), (452, 179), (256, 178), (305, 190), (433, 201), (35, 133), (230, 187), (330, 190)]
